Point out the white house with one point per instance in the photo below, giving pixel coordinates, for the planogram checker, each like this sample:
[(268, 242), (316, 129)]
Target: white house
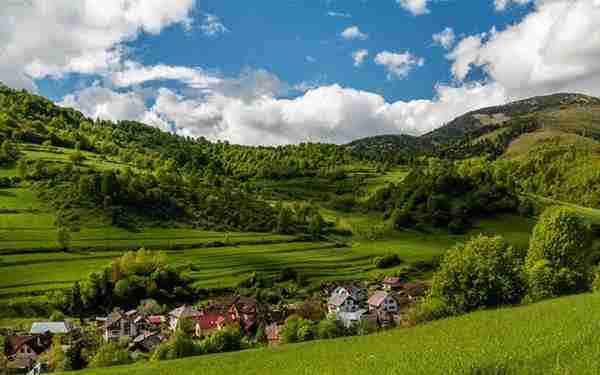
[(351, 318), (342, 303), (358, 294), (118, 325), (383, 302)]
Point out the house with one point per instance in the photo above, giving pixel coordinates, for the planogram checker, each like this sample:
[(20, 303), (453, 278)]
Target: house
[(182, 312), (56, 328), (210, 321), (273, 337), (146, 342), (24, 350), (245, 310), (358, 294), (392, 283), (349, 319), (235, 310), (118, 325), (342, 303), (384, 302)]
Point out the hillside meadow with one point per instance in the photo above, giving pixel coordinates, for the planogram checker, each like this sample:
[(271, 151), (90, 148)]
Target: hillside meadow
[(552, 337)]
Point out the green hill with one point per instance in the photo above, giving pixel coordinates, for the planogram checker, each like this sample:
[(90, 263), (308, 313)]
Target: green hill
[(552, 337)]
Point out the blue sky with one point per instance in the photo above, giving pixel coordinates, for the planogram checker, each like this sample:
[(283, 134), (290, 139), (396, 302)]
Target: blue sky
[(287, 71)]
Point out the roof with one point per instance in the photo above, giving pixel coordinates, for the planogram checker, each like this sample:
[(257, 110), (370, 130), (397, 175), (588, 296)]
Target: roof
[(38, 343), (184, 312), (208, 321), (378, 298), (338, 299), (52, 327), (156, 319), (392, 281)]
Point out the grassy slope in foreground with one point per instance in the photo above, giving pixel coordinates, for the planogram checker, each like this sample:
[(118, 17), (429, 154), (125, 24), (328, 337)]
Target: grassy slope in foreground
[(552, 337)]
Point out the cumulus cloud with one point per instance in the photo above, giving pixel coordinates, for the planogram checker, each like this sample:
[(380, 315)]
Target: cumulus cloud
[(503, 4), (51, 38), (359, 57), (554, 48), (444, 38), (353, 32), (327, 113), (416, 7), (212, 25), (135, 74), (398, 65)]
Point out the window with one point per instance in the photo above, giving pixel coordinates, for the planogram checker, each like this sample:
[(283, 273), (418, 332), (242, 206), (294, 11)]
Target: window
[(127, 328)]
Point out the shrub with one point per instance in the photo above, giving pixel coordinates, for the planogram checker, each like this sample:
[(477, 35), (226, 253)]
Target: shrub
[(330, 328), (556, 261), (178, 346), (387, 261), (296, 329), (430, 308), (482, 273), (57, 316), (110, 354)]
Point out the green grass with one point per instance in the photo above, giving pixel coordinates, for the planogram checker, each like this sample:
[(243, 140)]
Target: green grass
[(216, 267), (552, 337)]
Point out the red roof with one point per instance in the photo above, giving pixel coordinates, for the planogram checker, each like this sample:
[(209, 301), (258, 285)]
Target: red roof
[(156, 319), (208, 321)]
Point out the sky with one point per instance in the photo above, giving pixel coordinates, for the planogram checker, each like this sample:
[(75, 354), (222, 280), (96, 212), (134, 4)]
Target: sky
[(277, 72)]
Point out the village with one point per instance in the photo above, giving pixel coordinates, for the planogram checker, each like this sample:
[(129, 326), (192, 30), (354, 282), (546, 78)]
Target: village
[(380, 306)]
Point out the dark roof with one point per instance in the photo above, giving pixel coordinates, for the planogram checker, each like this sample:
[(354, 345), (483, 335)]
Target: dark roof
[(38, 343)]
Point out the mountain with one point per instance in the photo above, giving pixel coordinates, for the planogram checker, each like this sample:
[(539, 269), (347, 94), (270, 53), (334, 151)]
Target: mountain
[(494, 128)]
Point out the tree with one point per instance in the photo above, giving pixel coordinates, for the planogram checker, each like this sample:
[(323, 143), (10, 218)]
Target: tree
[(484, 272), (63, 237), (556, 262), (284, 221), (76, 302), (57, 360), (22, 168), (316, 226)]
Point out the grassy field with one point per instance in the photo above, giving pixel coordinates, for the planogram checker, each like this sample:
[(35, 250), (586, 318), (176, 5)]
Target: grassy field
[(551, 337), (31, 273)]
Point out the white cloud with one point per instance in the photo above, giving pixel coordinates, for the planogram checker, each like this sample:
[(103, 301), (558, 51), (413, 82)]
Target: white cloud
[(353, 32), (398, 65), (135, 74), (554, 48), (503, 4), (51, 38), (339, 14), (444, 38), (327, 113), (212, 25), (416, 7), (359, 57), (311, 59)]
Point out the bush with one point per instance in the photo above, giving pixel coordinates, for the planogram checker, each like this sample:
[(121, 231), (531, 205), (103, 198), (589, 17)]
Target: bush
[(296, 329), (557, 261), (178, 346), (330, 328), (484, 272), (387, 261), (110, 354), (430, 308)]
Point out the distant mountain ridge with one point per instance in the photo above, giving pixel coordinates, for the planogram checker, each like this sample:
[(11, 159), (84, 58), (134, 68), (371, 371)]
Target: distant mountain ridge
[(580, 112)]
